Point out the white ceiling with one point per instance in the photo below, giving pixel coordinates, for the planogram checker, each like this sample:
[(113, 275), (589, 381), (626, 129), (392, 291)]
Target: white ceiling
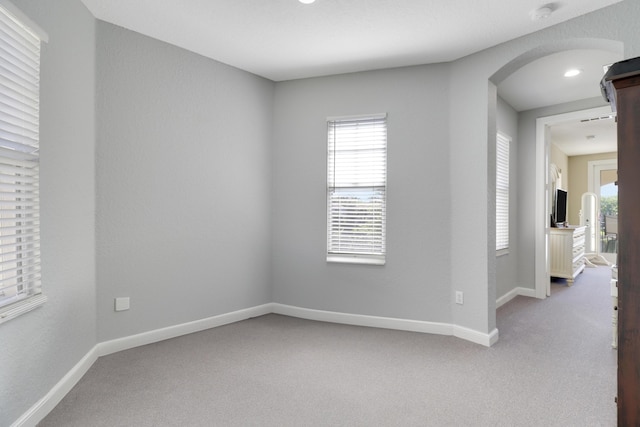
[(591, 135), (284, 39), (541, 83)]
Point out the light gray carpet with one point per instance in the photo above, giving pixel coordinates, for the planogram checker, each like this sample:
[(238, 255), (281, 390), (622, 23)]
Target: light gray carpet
[(553, 366)]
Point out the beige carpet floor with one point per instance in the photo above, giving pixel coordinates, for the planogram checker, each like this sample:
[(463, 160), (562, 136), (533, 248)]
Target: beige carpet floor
[(553, 366)]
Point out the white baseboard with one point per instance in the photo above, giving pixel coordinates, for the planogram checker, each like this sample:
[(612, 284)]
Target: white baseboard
[(37, 412), (525, 292), (132, 341), (389, 323), (40, 410), (476, 337), (363, 320)]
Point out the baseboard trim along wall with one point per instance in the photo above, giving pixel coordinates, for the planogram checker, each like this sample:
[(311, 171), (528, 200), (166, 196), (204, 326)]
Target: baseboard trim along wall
[(144, 338), (525, 292), (389, 323), (37, 412), (363, 320), (40, 410), (45, 405), (474, 336)]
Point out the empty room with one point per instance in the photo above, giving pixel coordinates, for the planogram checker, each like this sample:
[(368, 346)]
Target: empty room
[(249, 212)]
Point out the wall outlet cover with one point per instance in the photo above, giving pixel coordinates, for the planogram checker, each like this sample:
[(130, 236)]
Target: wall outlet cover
[(459, 297), (121, 304)]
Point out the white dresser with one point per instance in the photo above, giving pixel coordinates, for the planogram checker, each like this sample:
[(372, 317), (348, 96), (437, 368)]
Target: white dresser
[(566, 246)]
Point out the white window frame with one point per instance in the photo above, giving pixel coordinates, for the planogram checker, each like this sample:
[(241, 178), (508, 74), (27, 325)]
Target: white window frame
[(20, 282), (503, 182), (356, 164)]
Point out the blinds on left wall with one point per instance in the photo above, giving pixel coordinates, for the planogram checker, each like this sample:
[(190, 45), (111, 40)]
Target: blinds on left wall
[(20, 280)]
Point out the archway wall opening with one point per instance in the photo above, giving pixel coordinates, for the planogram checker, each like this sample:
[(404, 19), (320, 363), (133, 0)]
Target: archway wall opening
[(472, 106)]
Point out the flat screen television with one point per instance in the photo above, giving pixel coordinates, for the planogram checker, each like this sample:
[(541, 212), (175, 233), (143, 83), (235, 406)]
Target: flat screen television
[(561, 206)]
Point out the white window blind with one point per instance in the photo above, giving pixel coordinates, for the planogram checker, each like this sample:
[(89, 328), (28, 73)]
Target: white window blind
[(502, 192), (356, 189), (20, 287)]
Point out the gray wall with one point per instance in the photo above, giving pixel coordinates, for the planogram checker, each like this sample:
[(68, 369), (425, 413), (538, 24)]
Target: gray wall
[(211, 192), (471, 167), (183, 185), (465, 121), (507, 265), (40, 347), (414, 283)]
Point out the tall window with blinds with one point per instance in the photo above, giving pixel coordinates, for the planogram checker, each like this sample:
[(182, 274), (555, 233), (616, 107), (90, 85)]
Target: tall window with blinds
[(357, 189), (502, 193), (20, 288)]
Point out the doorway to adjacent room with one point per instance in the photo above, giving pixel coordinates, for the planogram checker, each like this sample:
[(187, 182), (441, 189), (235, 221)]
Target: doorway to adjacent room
[(603, 181)]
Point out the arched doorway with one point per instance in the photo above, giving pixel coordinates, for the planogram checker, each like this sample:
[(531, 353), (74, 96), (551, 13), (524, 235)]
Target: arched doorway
[(537, 243)]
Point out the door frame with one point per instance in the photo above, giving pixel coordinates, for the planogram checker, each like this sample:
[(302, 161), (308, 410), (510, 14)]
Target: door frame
[(594, 167), (542, 277)]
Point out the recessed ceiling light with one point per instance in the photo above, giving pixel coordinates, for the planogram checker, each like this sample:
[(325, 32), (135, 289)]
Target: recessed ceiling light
[(572, 73), (306, 1)]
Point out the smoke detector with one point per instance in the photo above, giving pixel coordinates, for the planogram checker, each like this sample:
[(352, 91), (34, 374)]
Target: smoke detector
[(542, 13)]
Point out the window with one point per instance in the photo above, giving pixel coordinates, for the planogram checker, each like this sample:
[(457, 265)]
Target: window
[(502, 193), (20, 289), (356, 189)]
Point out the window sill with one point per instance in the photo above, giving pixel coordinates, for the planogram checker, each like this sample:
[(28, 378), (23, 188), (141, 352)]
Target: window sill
[(357, 259), (502, 252), (18, 308)]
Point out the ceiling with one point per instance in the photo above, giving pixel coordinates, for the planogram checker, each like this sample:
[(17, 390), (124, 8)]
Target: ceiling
[(285, 39), (541, 83), (590, 135)]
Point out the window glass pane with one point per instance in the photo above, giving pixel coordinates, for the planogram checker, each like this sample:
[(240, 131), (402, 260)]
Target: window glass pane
[(502, 192), (356, 186), (609, 211)]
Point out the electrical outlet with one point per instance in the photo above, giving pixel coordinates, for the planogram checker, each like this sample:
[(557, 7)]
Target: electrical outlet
[(121, 304), (459, 297)]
